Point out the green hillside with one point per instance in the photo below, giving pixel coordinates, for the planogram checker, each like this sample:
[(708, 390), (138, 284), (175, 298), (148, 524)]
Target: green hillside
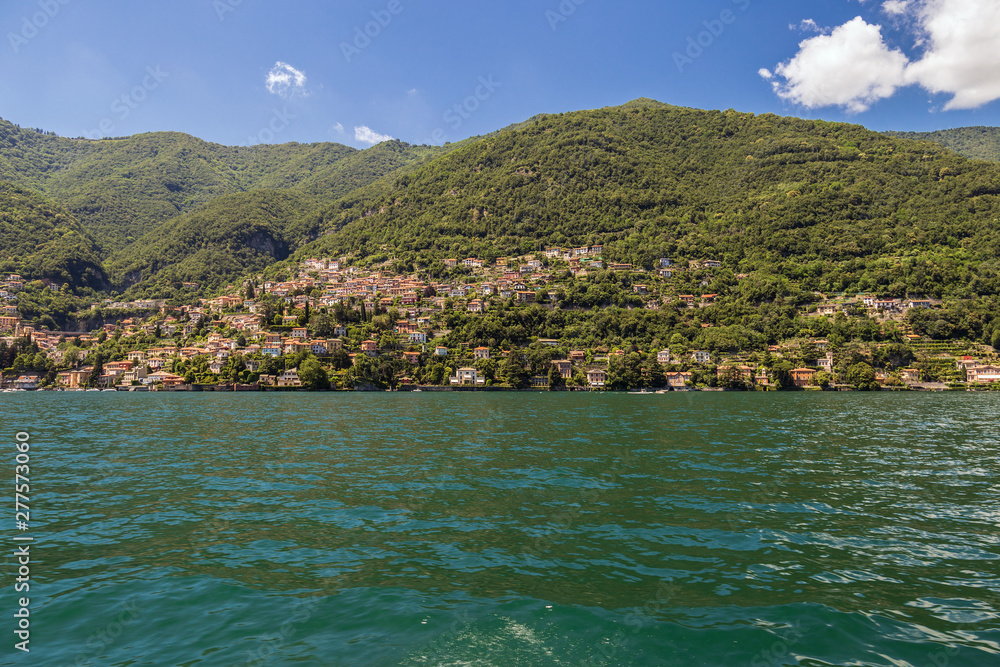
[(229, 237), (828, 206), (40, 241), (121, 189), (831, 206), (204, 245), (975, 143)]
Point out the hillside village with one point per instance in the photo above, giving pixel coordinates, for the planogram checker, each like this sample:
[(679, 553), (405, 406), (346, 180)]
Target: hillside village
[(330, 324)]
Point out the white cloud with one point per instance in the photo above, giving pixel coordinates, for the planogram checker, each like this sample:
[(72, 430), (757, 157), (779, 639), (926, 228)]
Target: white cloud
[(765, 73), (411, 92), (366, 135), (851, 67), (338, 128), (895, 7), (285, 81), (963, 53), (808, 25)]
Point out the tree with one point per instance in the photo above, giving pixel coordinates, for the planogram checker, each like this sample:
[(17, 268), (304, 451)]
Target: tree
[(322, 326), (556, 380), (862, 376), (625, 372), (894, 355), (313, 376), (657, 377), (435, 375), (488, 369), (271, 366), (97, 372), (340, 360), (513, 371), (822, 379), (781, 373), (729, 378)]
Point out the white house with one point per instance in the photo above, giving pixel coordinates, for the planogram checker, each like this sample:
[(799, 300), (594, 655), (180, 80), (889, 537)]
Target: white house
[(467, 376)]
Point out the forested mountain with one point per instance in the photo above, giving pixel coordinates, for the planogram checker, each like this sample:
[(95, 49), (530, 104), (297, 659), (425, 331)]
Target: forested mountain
[(832, 205), (976, 143), (40, 240), (122, 188), (229, 237), (238, 233)]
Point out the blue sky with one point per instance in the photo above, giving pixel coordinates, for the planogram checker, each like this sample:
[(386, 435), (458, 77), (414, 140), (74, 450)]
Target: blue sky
[(242, 72)]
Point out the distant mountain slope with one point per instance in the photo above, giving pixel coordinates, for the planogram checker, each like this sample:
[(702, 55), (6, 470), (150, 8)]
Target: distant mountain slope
[(829, 204), (40, 240), (229, 237), (212, 232), (976, 143), (122, 188)]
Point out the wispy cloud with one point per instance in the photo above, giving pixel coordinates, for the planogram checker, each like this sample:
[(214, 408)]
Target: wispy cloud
[(366, 135), (286, 81), (808, 25), (338, 128), (895, 7)]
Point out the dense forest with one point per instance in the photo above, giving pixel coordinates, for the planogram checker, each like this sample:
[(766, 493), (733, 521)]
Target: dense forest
[(40, 240), (976, 143), (166, 200), (121, 189), (800, 205), (831, 206)]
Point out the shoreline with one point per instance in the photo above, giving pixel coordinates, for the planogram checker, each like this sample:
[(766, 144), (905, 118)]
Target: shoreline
[(445, 390)]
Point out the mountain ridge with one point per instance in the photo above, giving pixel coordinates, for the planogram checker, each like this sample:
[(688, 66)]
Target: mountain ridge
[(647, 179), (975, 143)]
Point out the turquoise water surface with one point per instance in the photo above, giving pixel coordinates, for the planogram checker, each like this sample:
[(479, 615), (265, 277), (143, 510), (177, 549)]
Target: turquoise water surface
[(503, 529)]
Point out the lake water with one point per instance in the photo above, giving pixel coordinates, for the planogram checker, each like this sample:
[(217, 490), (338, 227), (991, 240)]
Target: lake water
[(503, 529)]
